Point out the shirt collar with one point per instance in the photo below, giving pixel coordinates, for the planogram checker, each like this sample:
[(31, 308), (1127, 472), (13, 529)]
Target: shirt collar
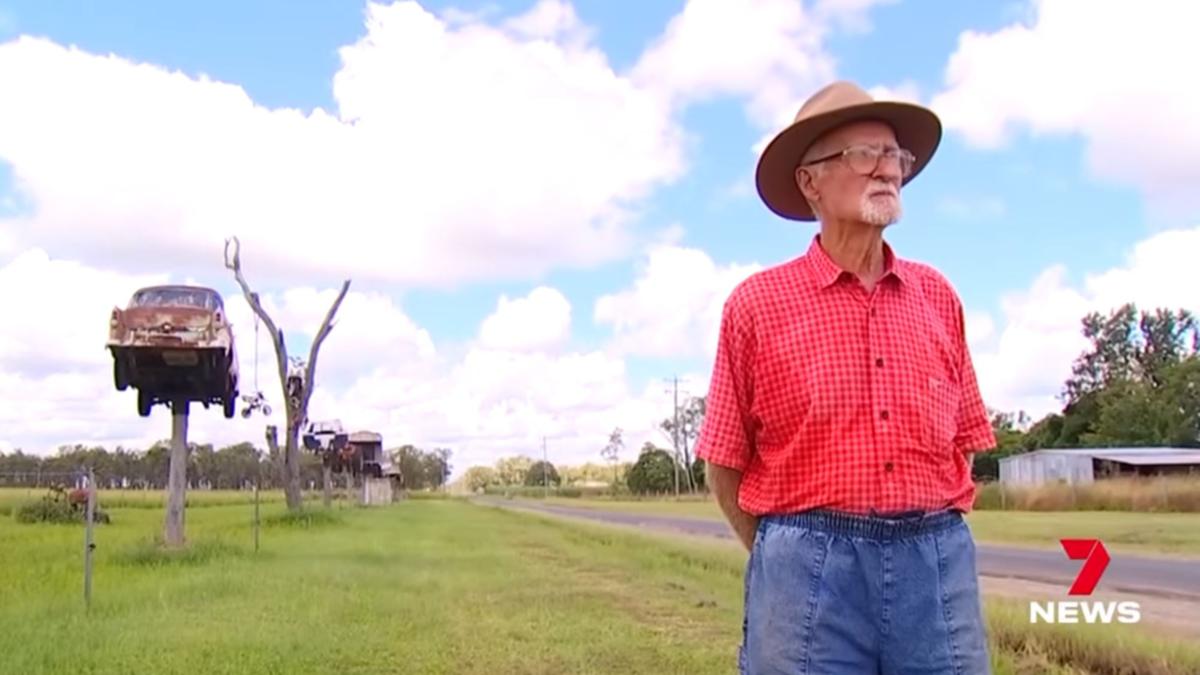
[(825, 272)]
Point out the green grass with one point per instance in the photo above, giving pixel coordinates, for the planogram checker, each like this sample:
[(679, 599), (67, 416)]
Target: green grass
[(1128, 531), (1148, 533), (11, 497), (423, 586)]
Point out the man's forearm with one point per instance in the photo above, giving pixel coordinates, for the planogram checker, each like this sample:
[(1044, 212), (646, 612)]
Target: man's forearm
[(724, 483)]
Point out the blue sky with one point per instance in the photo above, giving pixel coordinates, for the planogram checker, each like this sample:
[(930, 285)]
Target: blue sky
[(992, 218)]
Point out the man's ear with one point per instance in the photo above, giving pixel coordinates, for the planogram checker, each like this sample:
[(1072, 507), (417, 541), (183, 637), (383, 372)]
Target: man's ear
[(806, 184)]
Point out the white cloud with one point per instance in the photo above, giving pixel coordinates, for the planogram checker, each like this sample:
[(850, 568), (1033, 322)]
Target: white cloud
[(1114, 73), (56, 381), (457, 152), (369, 332), (37, 291), (972, 207), (674, 306), (907, 91), (769, 51), (378, 370), (1024, 365), (551, 19), (538, 321), (852, 15)]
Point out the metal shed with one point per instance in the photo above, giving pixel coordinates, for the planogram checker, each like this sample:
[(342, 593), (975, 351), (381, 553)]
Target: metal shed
[(1085, 465)]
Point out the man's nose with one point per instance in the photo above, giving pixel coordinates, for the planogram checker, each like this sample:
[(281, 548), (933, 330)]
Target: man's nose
[(888, 169)]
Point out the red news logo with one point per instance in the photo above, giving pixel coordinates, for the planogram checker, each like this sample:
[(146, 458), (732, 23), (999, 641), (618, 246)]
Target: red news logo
[(1095, 560)]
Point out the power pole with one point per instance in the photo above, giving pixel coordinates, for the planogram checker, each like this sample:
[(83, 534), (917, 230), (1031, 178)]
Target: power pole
[(675, 435), (545, 472)]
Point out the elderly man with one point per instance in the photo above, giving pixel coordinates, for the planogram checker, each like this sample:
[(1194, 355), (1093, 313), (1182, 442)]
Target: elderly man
[(843, 412)]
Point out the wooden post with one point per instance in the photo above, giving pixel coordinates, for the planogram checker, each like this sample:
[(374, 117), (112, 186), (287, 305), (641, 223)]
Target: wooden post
[(326, 481), (89, 540), (256, 519), (173, 527)]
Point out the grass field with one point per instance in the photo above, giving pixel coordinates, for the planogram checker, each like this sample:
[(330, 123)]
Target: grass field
[(148, 499), (1129, 531), (425, 586)]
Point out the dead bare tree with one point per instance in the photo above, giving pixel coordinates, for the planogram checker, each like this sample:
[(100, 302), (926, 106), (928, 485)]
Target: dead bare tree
[(296, 396)]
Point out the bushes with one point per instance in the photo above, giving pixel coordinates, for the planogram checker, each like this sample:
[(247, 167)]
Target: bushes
[(58, 507), (46, 511), (560, 491), (654, 472), (1173, 494)]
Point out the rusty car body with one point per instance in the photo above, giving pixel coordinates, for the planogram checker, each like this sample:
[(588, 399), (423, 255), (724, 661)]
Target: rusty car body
[(371, 459), (175, 342)]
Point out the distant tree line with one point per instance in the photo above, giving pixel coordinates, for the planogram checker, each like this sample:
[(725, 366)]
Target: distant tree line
[(421, 469), (1137, 385), (232, 467)]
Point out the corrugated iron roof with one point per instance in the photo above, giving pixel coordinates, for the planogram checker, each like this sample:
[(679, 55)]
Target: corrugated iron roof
[(366, 437), (1137, 456), (1153, 450), (1148, 458)]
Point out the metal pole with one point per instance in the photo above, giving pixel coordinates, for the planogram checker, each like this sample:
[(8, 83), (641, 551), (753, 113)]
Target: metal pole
[(545, 472), (88, 540), (675, 436)]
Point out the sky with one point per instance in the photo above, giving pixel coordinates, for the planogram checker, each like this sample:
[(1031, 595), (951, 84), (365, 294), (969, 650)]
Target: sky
[(542, 206)]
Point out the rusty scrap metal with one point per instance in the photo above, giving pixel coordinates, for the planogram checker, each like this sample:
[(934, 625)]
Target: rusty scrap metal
[(175, 341)]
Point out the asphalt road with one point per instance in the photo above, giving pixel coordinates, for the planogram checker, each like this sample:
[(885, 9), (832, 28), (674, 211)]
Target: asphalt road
[(1126, 573)]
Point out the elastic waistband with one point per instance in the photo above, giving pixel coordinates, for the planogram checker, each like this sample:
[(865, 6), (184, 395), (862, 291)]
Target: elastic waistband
[(869, 527)]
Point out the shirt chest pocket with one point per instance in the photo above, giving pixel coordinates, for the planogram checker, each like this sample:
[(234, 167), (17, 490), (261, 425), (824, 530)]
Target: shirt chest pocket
[(939, 408)]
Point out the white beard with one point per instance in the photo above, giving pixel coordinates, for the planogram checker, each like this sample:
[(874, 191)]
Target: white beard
[(879, 210)]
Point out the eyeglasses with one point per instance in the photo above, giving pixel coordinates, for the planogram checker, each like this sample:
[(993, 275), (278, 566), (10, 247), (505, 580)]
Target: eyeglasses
[(864, 159)]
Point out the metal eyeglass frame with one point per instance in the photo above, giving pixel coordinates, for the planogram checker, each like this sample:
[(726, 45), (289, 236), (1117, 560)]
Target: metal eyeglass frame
[(899, 154)]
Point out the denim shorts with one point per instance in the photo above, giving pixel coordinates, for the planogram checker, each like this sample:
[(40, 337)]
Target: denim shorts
[(842, 594)]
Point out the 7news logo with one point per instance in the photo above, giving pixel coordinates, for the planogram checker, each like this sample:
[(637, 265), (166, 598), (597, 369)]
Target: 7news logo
[(1096, 560)]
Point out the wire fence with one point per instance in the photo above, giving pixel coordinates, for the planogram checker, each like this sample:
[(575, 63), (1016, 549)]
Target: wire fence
[(56, 484), (74, 490)]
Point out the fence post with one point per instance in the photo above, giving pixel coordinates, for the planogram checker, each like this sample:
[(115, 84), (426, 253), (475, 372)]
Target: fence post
[(256, 520), (88, 543)]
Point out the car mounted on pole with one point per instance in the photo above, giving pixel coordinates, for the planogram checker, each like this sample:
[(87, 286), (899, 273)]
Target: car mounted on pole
[(175, 343)]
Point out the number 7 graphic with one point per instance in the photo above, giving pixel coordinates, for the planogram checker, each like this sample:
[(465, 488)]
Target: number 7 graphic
[(1096, 559)]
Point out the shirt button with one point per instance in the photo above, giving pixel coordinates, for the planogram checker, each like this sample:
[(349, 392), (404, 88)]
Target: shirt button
[(883, 415), (878, 363), (887, 467), (872, 311)]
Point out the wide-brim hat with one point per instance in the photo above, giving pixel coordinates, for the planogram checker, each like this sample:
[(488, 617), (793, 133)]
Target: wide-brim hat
[(917, 130)]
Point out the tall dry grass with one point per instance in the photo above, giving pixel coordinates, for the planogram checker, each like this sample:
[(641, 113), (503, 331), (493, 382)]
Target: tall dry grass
[(1175, 494), (1096, 649)]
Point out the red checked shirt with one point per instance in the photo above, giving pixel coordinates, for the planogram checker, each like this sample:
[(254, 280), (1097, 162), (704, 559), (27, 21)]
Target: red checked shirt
[(826, 396)]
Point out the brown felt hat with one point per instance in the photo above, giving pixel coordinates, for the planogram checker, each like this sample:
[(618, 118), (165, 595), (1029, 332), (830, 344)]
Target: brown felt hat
[(917, 129)]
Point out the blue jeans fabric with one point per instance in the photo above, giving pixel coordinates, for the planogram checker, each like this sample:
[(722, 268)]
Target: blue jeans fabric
[(843, 594)]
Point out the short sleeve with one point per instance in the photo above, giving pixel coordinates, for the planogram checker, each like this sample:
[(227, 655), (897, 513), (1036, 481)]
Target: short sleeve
[(726, 437), (974, 432)]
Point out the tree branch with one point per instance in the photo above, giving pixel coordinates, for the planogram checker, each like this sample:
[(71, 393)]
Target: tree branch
[(257, 308), (322, 333)]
